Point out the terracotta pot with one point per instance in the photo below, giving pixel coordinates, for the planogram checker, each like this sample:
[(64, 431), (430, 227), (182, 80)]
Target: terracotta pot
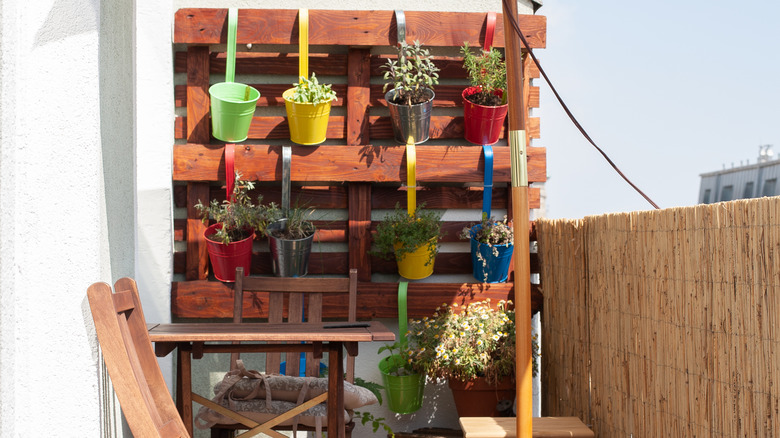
[(477, 398)]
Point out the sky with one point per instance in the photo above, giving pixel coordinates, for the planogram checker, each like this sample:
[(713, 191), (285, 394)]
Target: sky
[(668, 89)]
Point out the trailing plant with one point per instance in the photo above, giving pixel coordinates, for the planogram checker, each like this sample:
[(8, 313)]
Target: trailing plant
[(238, 215), (376, 422), (463, 343), (400, 233), (490, 232), (488, 72), (367, 417), (411, 75), (311, 91)]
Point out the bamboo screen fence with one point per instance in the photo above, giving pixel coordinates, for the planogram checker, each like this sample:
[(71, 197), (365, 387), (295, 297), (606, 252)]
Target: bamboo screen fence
[(664, 323)]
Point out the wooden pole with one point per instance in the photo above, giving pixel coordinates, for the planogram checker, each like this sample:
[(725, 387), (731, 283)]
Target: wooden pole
[(517, 144)]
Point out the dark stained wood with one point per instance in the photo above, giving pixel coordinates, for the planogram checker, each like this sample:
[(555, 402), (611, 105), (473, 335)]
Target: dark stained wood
[(198, 128), (358, 96), (276, 128), (350, 28), (360, 229), (194, 162), (328, 197), (211, 299), (361, 168), (447, 96), (197, 253)]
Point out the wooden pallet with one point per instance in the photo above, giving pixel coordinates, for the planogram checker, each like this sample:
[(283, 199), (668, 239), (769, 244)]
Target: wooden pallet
[(360, 168)]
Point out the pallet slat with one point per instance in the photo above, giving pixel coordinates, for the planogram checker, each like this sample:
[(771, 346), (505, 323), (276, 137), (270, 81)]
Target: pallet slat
[(348, 28)]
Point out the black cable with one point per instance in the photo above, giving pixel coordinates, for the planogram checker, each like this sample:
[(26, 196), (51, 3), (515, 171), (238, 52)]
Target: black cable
[(516, 26)]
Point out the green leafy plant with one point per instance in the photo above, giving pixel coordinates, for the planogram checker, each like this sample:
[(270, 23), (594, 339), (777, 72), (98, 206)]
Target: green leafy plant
[(488, 72), (400, 233), (490, 232), (367, 417), (311, 91), (399, 349), (297, 222), (376, 422), (477, 340), (238, 215), (411, 75)]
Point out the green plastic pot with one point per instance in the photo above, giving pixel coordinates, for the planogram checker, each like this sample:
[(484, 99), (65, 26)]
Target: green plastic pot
[(232, 103)]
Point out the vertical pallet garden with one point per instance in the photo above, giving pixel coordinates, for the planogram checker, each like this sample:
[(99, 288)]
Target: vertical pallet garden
[(359, 169)]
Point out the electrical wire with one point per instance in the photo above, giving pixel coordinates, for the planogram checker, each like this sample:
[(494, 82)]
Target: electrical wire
[(516, 28)]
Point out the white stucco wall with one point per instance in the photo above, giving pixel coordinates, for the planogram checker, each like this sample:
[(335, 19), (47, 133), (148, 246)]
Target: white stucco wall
[(86, 129), (66, 205)]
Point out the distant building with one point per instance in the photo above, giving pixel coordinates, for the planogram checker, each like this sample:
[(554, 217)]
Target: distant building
[(746, 181)]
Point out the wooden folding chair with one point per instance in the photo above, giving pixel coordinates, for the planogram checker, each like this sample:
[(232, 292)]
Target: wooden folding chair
[(291, 296), (131, 363)]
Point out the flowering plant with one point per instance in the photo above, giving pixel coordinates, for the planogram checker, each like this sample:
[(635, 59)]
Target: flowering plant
[(490, 232), (474, 341)]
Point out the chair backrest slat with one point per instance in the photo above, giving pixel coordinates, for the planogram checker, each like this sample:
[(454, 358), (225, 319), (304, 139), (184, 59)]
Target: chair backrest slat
[(130, 361), (300, 293)]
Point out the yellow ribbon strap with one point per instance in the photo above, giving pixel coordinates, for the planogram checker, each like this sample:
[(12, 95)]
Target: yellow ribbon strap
[(303, 43), (411, 177)]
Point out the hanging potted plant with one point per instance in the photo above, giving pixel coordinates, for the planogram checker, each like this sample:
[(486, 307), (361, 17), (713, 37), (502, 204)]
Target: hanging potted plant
[(290, 239), (492, 243), (412, 239), (411, 78), (308, 109), (229, 239), (484, 102), (473, 347), (404, 386)]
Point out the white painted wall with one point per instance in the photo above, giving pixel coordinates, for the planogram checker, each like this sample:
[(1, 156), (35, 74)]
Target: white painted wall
[(66, 204)]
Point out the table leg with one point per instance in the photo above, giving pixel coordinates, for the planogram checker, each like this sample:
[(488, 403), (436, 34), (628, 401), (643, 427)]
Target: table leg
[(184, 389), (336, 389)]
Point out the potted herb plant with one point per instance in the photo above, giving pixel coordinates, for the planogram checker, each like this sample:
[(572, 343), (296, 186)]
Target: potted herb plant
[(492, 243), (290, 239), (473, 347), (308, 109), (404, 385), (229, 239), (411, 78), (484, 102), (412, 239)]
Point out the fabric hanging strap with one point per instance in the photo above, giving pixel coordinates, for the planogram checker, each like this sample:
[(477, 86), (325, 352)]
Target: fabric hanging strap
[(230, 172), (230, 67), (400, 25), (490, 29), (487, 192), (303, 43), (411, 177), (402, 320), (286, 169)]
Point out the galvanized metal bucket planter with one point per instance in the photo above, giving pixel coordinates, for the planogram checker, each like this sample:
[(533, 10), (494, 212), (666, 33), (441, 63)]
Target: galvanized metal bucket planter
[(411, 120)]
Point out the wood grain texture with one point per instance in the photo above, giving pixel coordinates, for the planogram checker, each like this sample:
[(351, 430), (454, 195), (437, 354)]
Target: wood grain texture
[(350, 28), (457, 164), (198, 122), (197, 253), (209, 299)]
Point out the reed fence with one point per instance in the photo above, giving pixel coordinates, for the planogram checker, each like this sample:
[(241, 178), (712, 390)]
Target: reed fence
[(664, 323)]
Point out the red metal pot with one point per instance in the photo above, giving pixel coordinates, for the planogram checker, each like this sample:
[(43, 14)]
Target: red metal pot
[(482, 124), (225, 258)]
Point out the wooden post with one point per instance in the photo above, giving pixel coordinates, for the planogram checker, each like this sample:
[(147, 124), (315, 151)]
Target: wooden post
[(519, 163)]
